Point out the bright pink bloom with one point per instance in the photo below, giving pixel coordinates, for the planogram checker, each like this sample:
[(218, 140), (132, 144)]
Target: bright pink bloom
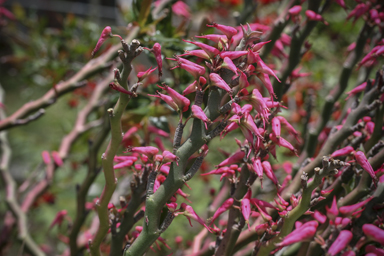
[(216, 80), (258, 169), (182, 102), (221, 170), (372, 249), (295, 10), (198, 53), (341, 3), (233, 55), (228, 64), (243, 81), (246, 210), (123, 164), (276, 127), (235, 158), (269, 172), (303, 233), (199, 113), (356, 90), (315, 16), (169, 157), (181, 9), (374, 233), (359, 11), (119, 88), (224, 207), (282, 142), (59, 218), (149, 150), (227, 30), (258, 46), (348, 210), (191, 214), (167, 99), (343, 151), (363, 162), (56, 158), (142, 75), (211, 51), (333, 211), (319, 217), (191, 88), (46, 157), (194, 69), (341, 242), (258, 102), (120, 159), (105, 34), (263, 68), (215, 38)]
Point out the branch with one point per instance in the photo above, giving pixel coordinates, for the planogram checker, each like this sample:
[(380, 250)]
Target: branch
[(92, 67), (331, 99), (130, 52), (11, 198)]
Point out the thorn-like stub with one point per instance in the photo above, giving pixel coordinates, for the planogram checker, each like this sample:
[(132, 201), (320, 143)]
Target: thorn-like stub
[(304, 180), (125, 45), (111, 112), (317, 170)]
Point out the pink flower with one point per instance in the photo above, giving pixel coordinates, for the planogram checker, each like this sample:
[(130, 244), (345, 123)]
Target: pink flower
[(276, 127), (199, 113), (235, 158), (233, 55), (282, 142), (191, 88), (142, 75), (258, 169), (304, 233), (181, 9), (119, 88), (181, 101), (343, 151), (363, 162), (319, 217), (243, 81), (258, 46), (149, 150), (295, 10), (374, 233), (123, 164), (348, 210), (222, 170), (198, 53), (333, 211), (269, 172), (315, 16), (224, 207), (192, 68), (216, 80), (246, 210), (191, 214), (215, 38), (356, 90), (211, 51), (169, 157), (167, 99), (105, 34), (56, 158), (227, 30), (372, 249), (263, 68), (59, 218), (228, 64), (341, 242), (46, 157)]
